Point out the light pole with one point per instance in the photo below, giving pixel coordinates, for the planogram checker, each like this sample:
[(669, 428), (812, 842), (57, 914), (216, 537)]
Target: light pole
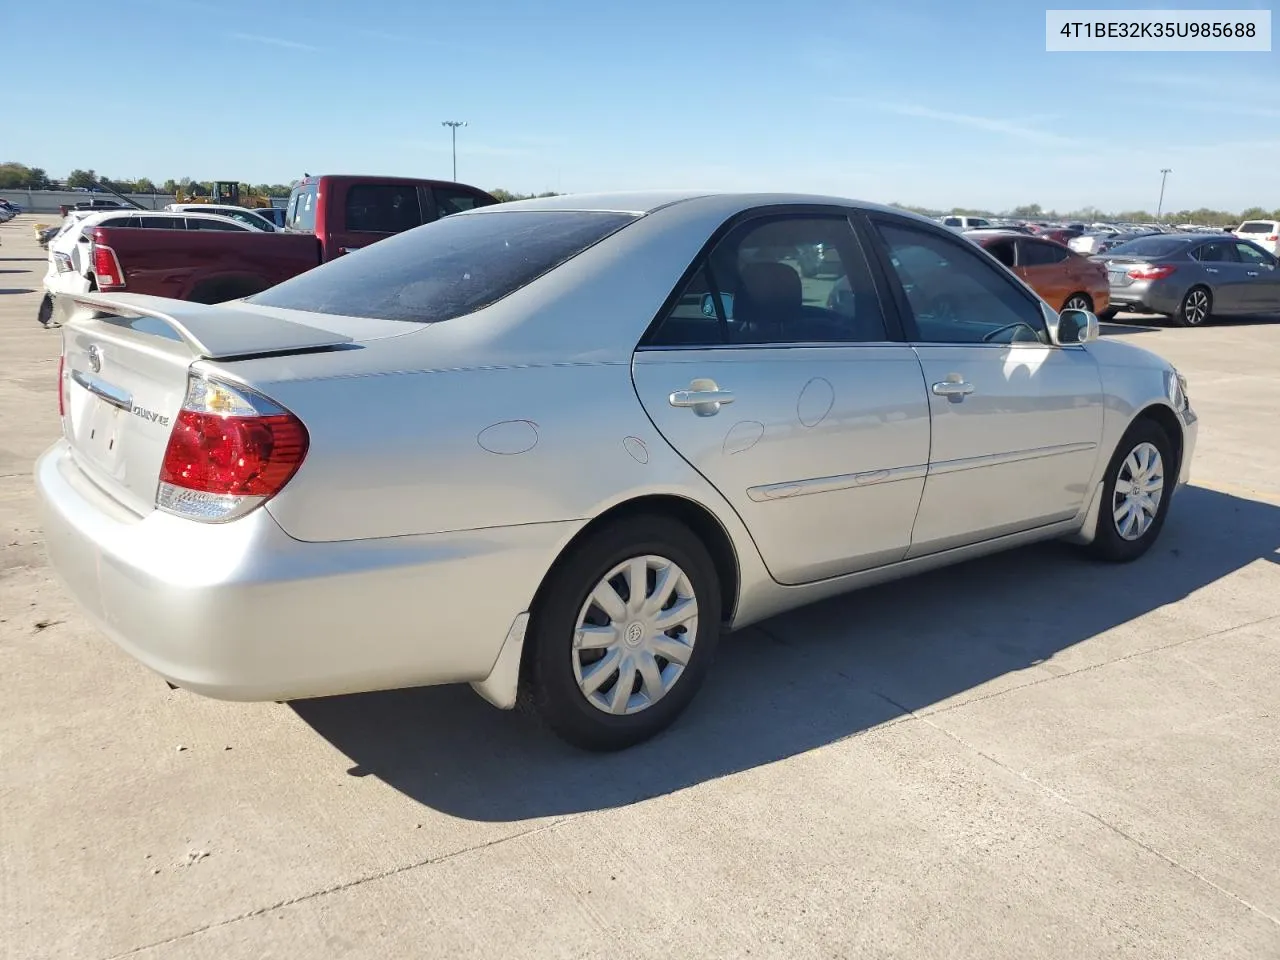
[(1164, 175), (453, 126)]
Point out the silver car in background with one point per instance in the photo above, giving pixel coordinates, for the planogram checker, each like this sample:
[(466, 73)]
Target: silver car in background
[(555, 448), (1191, 277)]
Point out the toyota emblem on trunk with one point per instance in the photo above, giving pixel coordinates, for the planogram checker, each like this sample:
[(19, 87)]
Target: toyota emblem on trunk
[(95, 359)]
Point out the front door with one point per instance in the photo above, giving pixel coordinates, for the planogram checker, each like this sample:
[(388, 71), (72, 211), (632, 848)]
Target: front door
[(1226, 274), (1015, 420), (788, 395), (1263, 279)]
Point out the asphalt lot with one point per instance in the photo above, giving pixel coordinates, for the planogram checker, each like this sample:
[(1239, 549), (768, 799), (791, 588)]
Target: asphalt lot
[(1026, 756)]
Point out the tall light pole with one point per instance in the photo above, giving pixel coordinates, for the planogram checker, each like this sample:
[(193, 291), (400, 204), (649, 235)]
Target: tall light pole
[(453, 126), (1164, 175)]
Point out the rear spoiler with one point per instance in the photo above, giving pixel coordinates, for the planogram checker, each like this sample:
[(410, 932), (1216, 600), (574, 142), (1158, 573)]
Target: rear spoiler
[(214, 332)]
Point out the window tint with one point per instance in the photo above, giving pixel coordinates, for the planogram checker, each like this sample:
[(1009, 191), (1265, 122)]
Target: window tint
[(1041, 254), (1216, 252), (451, 200), (162, 223), (1257, 226), (978, 222), (117, 222), (1002, 250), (779, 280), (952, 222), (1150, 247), (194, 223), (1252, 255), (446, 269), (955, 295), (383, 207), (301, 213)]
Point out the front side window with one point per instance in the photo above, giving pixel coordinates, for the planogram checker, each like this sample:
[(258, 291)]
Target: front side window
[(382, 208), (1252, 255), (446, 269), (780, 280), (955, 295)]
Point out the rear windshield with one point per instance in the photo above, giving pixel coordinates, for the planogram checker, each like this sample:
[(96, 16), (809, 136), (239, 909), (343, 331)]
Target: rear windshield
[(1150, 247), (445, 269), (1255, 226)]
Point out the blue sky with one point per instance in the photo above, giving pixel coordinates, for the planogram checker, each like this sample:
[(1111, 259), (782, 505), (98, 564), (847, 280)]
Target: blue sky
[(934, 102)]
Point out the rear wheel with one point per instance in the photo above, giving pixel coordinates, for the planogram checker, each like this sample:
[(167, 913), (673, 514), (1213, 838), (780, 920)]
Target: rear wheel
[(1079, 301), (1135, 494), (623, 633), (1195, 308)]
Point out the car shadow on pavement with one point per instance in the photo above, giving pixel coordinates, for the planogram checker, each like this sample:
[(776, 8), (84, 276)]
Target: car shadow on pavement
[(1122, 329), (804, 679), (4, 290)]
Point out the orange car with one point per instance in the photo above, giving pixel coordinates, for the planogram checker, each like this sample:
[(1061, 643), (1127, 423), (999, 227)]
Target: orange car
[(1062, 277)]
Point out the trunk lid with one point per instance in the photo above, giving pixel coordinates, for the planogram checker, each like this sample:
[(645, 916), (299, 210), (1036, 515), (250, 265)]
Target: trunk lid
[(1118, 268), (126, 360)]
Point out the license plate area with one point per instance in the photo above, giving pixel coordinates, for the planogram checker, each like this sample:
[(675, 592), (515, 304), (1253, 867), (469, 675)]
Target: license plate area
[(98, 412)]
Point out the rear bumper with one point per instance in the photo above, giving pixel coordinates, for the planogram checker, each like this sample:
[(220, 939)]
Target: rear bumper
[(1151, 296), (241, 611)]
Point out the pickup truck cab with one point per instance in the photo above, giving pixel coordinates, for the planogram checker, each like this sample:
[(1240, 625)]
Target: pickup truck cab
[(346, 213), (326, 217)]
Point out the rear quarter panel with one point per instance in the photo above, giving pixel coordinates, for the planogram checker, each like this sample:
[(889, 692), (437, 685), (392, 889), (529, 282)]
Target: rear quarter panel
[(172, 263)]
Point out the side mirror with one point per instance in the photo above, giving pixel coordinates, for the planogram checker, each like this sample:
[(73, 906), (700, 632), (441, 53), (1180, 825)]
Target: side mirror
[(1075, 326)]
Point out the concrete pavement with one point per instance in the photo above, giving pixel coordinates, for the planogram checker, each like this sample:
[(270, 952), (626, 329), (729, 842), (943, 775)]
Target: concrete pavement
[(1026, 756)]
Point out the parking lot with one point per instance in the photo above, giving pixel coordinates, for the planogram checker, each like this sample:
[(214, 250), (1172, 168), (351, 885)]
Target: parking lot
[(1031, 755)]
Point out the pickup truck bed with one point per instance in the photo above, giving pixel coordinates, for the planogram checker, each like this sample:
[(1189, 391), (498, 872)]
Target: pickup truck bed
[(204, 266)]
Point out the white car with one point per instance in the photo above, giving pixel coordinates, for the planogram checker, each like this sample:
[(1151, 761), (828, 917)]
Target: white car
[(244, 215), (70, 269), (1265, 233), (965, 223)]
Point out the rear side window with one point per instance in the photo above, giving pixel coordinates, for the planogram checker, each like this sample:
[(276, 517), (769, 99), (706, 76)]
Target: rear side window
[(301, 212), (383, 208), (446, 269), (450, 200), (199, 224), (1041, 254), (162, 223)]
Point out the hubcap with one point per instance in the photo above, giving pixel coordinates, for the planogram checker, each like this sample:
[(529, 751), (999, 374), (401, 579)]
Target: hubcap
[(1076, 303), (1196, 307), (1139, 486), (635, 635)]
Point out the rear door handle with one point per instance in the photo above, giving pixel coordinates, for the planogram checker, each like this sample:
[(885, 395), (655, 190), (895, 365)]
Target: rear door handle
[(1210, 269), (953, 390), (1252, 273), (704, 397)]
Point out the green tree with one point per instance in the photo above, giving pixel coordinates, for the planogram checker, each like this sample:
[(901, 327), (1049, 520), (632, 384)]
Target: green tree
[(82, 178), (1027, 210), (145, 185), (1255, 213), (170, 186)]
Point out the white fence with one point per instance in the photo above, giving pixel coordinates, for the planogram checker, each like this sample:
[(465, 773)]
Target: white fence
[(48, 201)]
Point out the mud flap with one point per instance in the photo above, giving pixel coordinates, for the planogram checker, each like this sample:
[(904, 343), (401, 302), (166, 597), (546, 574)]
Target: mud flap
[(45, 313)]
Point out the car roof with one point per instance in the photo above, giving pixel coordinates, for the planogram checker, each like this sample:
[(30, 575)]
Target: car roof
[(646, 202)]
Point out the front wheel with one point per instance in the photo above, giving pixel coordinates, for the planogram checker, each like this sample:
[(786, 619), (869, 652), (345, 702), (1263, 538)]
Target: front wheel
[(1135, 494), (1195, 308), (624, 633)]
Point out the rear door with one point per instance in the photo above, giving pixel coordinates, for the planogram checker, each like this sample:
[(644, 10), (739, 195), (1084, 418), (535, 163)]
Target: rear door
[(1016, 421), (1227, 276), (359, 213), (792, 396), (1042, 267)]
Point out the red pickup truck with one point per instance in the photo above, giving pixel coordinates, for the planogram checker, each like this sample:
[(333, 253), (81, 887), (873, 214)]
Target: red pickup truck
[(326, 217)]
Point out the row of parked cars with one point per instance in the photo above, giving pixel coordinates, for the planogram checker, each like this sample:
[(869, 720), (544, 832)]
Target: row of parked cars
[(1106, 268)]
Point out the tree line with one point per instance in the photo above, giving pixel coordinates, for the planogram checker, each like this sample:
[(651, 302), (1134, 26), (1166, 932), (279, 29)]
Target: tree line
[(18, 176), (1033, 211)]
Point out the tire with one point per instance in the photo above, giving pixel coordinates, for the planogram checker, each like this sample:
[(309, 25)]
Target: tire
[(1196, 307), (45, 312), (1079, 301), (559, 672), (1106, 316), (1109, 542)]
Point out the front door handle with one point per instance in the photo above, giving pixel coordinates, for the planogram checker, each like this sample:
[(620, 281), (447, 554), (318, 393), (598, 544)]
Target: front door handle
[(953, 388), (704, 397), (1251, 273), (1210, 269)]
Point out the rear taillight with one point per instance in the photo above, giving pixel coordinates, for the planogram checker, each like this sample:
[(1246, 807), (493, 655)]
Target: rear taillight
[(230, 451), (106, 268), (63, 263), (1273, 238), (1158, 272)]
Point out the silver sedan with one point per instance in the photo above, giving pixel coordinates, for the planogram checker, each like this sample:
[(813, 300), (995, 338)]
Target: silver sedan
[(556, 448), (1191, 278)]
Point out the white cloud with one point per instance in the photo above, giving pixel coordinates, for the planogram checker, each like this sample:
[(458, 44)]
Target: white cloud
[(273, 41)]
